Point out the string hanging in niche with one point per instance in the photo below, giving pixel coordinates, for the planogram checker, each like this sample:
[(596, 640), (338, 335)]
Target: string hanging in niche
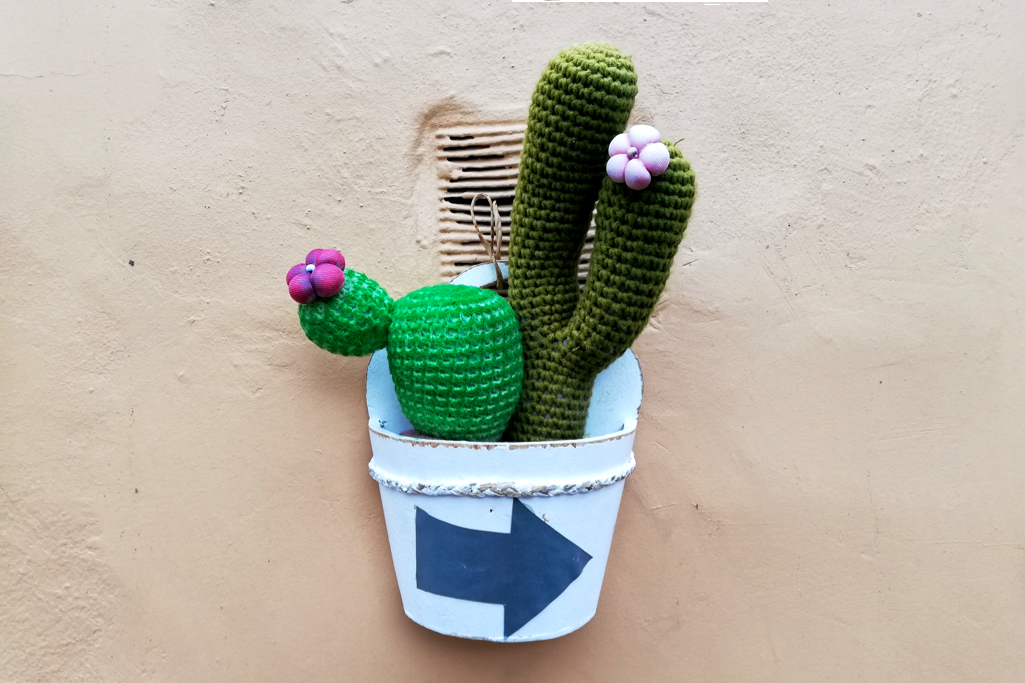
[(492, 246)]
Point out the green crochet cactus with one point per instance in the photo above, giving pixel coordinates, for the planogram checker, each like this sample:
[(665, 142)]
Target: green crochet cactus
[(582, 101), (454, 351), (354, 322), (455, 356)]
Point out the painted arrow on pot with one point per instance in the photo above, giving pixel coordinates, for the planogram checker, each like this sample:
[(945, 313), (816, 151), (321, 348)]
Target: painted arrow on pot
[(524, 570)]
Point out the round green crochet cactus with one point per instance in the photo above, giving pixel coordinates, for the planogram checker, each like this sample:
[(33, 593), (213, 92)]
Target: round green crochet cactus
[(582, 101), (454, 351)]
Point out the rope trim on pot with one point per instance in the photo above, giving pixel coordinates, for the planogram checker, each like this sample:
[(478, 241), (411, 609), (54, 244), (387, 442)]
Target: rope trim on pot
[(503, 489)]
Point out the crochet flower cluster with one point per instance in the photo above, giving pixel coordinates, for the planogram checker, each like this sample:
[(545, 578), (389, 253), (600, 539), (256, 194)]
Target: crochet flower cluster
[(321, 276)]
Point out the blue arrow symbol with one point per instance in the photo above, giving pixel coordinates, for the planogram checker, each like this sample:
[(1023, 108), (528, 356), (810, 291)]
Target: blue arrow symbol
[(524, 570)]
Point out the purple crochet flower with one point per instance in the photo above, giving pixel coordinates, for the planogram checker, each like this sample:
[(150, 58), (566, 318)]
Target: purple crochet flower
[(636, 155), (322, 276)]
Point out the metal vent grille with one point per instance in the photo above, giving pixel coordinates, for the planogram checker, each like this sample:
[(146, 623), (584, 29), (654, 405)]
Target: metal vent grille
[(472, 160)]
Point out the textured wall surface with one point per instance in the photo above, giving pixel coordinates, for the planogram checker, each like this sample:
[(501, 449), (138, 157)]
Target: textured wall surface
[(831, 469)]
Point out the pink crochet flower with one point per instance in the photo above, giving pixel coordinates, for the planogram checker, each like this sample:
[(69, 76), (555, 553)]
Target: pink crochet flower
[(636, 155), (321, 276)]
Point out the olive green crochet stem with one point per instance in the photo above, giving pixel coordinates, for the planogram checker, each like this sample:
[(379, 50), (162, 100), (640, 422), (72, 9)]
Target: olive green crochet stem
[(581, 102), (638, 233)]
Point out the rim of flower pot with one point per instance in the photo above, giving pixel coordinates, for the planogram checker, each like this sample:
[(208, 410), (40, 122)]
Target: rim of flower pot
[(429, 442)]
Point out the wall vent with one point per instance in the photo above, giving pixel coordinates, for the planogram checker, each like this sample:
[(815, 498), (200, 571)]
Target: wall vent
[(480, 159)]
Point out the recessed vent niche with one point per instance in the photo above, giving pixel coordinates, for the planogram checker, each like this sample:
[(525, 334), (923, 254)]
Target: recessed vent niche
[(472, 160)]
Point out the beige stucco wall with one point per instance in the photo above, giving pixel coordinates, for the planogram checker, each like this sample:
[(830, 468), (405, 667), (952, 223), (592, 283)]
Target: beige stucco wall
[(831, 473)]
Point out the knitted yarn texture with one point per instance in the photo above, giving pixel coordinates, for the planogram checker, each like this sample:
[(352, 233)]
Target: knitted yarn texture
[(454, 351), (354, 322), (456, 358), (582, 101)]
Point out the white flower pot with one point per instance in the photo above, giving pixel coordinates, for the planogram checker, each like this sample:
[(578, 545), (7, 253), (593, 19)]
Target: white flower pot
[(503, 541)]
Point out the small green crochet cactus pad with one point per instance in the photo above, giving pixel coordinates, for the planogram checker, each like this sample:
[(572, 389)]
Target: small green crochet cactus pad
[(353, 322), (456, 358)]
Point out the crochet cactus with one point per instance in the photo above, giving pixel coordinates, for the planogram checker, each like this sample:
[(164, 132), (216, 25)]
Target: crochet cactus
[(582, 101), (454, 351), (354, 322), (455, 356)]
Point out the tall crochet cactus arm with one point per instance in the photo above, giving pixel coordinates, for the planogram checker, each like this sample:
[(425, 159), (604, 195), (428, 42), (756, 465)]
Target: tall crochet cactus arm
[(582, 100), (638, 234), (569, 338)]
